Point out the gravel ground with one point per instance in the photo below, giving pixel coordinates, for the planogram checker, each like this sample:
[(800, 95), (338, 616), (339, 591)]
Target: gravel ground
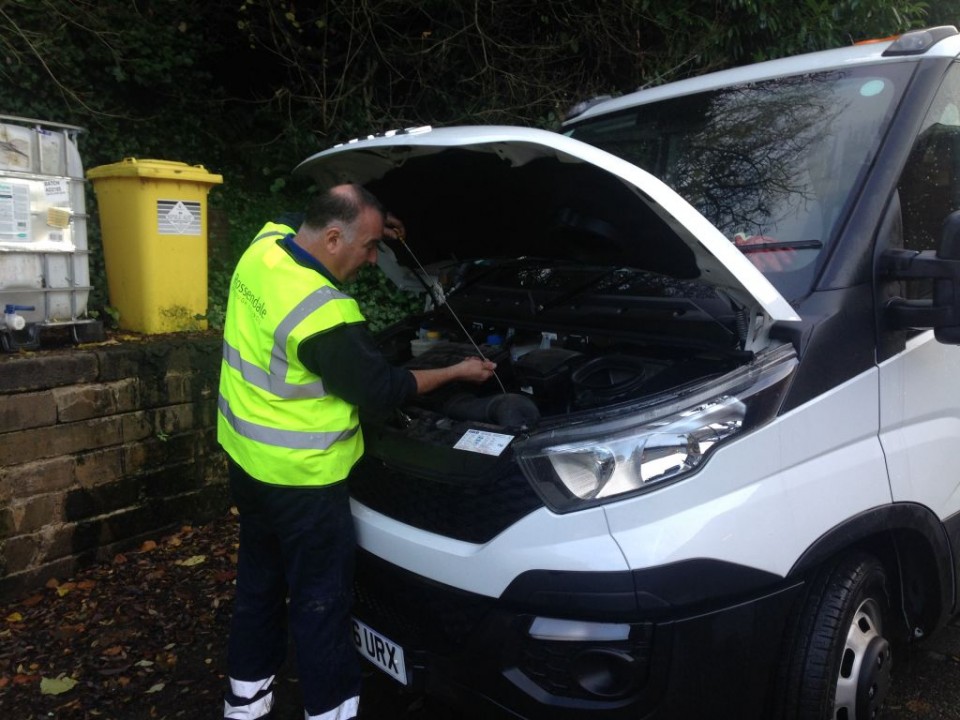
[(143, 636)]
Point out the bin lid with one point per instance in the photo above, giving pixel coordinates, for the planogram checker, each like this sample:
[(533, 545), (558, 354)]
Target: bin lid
[(155, 169)]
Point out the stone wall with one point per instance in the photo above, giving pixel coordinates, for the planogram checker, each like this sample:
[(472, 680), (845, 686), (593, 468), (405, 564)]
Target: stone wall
[(103, 446)]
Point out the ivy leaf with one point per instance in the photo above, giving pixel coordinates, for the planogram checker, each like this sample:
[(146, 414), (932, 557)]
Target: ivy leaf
[(191, 561), (56, 686)]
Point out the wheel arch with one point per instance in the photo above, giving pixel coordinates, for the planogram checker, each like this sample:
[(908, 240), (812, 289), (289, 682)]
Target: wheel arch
[(912, 544)]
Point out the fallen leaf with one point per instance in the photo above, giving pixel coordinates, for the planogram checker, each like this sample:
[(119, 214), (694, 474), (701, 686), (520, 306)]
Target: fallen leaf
[(162, 618), (119, 559), (191, 561), (65, 588), (166, 662), (175, 541), (32, 600), (72, 705), (71, 630), (56, 686), (52, 583), (156, 688), (14, 617), (148, 545)]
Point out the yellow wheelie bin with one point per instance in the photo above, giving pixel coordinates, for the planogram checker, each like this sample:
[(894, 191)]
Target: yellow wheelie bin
[(153, 222)]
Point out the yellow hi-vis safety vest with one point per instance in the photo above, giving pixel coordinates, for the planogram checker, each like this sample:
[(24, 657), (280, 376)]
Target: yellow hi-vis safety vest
[(274, 230), (275, 418)]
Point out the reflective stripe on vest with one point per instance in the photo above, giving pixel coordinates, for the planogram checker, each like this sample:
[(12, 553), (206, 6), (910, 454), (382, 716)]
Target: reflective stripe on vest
[(293, 439), (272, 381)]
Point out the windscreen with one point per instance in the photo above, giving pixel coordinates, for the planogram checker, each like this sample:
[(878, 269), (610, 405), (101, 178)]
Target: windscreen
[(774, 165)]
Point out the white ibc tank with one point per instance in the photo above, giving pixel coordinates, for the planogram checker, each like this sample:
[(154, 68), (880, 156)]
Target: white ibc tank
[(44, 260)]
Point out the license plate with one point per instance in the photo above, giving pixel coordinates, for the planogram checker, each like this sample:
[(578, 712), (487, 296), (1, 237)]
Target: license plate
[(381, 651)]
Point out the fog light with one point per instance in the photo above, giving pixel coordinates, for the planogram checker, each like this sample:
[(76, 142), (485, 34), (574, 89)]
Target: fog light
[(577, 630), (605, 673)]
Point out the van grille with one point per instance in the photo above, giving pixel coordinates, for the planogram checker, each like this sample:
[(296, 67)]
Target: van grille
[(413, 611), (470, 512)]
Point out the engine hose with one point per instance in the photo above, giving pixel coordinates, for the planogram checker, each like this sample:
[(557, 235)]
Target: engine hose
[(509, 410)]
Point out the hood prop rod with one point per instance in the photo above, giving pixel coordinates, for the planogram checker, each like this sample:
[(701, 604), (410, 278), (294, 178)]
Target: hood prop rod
[(443, 301)]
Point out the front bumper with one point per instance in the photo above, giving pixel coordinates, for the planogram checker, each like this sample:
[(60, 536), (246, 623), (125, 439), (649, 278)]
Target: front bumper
[(702, 656)]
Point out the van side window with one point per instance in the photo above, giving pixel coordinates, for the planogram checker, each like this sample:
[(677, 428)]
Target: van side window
[(930, 184)]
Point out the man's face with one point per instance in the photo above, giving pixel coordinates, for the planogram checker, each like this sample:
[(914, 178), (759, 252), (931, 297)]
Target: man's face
[(363, 249)]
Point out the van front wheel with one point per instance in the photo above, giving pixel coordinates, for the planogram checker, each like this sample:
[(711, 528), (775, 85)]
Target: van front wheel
[(839, 661)]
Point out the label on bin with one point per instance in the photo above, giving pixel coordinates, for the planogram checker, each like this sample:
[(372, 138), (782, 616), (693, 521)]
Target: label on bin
[(176, 217)]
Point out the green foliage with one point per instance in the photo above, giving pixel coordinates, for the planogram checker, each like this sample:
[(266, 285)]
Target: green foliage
[(381, 302), (249, 88), (764, 29), (218, 286), (527, 61)]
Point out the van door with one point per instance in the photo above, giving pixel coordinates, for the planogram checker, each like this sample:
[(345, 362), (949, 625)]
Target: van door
[(920, 386)]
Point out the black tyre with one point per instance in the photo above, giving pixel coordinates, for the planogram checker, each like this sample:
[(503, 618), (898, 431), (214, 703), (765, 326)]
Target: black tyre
[(838, 660)]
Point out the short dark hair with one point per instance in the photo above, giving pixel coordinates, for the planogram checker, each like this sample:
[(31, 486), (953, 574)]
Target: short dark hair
[(342, 203)]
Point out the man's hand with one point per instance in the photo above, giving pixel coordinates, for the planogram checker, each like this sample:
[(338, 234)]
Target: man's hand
[(393, 227), (471, 369), (474, 369)]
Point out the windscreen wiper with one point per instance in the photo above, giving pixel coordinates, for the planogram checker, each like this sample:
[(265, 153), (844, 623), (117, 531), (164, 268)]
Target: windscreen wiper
[(747, 249)]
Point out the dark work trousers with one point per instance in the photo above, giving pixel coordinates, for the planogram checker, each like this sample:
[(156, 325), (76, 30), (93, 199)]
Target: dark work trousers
[(295, 543)]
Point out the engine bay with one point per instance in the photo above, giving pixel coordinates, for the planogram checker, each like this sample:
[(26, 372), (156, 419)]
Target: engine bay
[(565, 338)]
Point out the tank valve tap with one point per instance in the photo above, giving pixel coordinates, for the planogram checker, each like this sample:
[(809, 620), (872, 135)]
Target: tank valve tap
[(12, 319)]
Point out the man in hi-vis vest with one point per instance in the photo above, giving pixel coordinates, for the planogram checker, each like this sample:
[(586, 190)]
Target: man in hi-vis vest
[(298, 361)]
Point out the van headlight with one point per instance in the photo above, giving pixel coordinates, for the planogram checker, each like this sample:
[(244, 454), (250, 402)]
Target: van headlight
[(655, 444)]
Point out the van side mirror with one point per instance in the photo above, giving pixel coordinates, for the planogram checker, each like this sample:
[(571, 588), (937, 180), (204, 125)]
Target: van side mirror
[(942, 312)]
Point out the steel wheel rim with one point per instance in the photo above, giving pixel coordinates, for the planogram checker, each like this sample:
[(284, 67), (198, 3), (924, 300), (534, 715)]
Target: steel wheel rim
[(866, 626)]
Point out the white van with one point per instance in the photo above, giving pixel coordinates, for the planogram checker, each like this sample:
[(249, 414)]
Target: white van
[(717, 474)]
